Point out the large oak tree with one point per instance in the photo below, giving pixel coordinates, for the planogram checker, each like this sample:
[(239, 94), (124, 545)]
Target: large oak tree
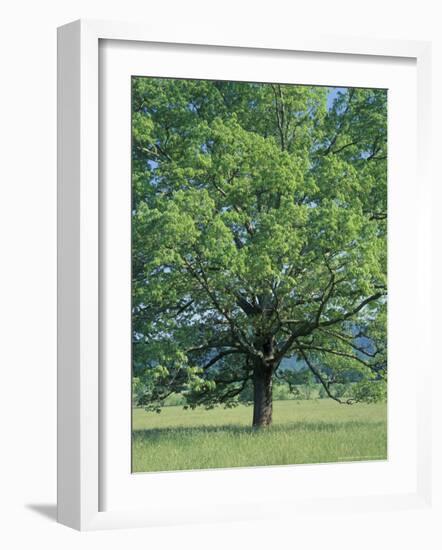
[(259, 233)]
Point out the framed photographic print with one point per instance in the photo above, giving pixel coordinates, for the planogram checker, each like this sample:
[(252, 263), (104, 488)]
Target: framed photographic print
[(240, 225), (259, 274)]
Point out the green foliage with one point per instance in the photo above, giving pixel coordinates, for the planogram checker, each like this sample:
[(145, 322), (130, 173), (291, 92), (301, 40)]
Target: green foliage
[(281, 392), (370, 392), (259, 232)]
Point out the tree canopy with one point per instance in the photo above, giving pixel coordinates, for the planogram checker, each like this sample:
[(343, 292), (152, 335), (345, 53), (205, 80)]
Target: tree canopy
[(258, 233)]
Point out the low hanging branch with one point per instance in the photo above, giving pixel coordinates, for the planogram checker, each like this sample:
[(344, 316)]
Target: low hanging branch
[(325, 383)]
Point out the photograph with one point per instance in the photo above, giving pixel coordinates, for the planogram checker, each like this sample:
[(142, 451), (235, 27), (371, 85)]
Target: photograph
[(259, 274)]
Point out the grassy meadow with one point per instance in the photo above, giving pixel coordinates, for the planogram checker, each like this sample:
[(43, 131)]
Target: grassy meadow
[(303, 431)]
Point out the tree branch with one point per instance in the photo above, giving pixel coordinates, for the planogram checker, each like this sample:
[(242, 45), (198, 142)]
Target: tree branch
[(218, 357), (325, 384), (338, 353), (349, 342), (353, 311)]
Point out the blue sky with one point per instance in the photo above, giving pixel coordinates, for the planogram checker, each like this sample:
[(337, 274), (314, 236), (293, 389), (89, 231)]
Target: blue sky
[(332, 96)]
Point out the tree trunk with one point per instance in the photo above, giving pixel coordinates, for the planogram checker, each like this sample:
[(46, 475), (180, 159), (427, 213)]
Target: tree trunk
[(262, 396)]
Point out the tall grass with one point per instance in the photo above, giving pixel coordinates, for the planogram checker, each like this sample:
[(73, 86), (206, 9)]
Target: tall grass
[(310, 431)]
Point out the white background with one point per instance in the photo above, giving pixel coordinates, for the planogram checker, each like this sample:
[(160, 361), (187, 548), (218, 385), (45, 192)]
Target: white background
[(28, 274)]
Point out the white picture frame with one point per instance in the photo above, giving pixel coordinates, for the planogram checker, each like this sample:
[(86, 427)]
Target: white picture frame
[(80, 437)]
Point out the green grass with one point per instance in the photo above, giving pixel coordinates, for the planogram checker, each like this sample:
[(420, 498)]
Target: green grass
[(310, 431)]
